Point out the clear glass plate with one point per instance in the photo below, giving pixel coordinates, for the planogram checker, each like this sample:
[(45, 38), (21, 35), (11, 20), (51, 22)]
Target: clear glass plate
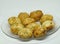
[(6, 30)]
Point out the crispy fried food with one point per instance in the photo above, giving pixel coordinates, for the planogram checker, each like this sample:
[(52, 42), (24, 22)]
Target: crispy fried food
[(23, 15), (25, 33), (15, 28), (46, 17), (28, 21), (36, 14), (39, 32), (48, 25), (32, 26), (13, 20)]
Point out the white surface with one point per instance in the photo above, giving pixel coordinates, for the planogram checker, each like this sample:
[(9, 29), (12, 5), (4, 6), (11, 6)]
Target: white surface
[(13, 7)]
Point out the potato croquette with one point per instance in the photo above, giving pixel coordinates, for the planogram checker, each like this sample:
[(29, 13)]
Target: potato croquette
[(23, 15), (28, 21), (36, 14), (32, 26), (35, 24), (48, 25), (15, 28), (25, 33), (39, 32), (13, 20), (46, 17)]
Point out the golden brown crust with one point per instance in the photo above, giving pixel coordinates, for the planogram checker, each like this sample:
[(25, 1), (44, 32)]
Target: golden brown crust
[(13, 20), (25, 33), (46, 17), (25, 26), (48, 25), (39, 32), (23, 15), (15, 28), (32, 26), (36, 14), (28, 21)]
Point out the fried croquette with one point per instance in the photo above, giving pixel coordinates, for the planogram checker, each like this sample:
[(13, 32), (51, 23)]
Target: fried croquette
[(48, 25), (23, 15), (36, 14), (39, 32), (15, 28), (32, 26), (13, 20), (25, 33), (46, 17), (28, 21)]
